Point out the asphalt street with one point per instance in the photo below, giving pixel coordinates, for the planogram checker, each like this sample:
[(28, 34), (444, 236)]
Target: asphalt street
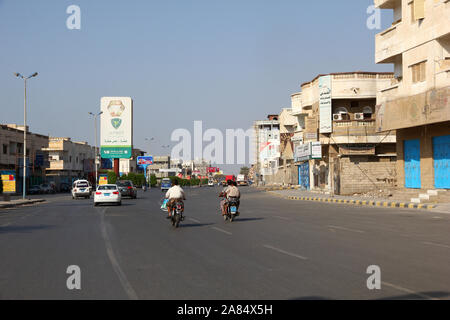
[(276, 249)]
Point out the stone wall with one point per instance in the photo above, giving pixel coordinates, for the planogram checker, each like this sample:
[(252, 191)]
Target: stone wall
[(359, 174)]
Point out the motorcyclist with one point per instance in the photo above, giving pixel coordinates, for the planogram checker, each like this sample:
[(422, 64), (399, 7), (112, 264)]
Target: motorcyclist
[(174, 194), (231, 192), (224, 201), (235, 194)]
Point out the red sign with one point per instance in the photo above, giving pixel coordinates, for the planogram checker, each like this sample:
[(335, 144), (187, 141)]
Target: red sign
[(212, 169)]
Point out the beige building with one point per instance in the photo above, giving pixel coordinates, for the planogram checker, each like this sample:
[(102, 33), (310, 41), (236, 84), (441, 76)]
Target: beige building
[(69, 160), (337, 148), (416, 103), (11, 153)]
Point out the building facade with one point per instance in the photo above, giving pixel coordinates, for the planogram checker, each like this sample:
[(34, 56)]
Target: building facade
[(68, 161), (416, 103), (337, 148), (267, 148), (11, 154)]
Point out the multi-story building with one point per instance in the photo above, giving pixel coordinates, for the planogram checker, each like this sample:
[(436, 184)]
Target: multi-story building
[(340, 151), (160, 167), (11, 154), (267, 148), (416, 103), (69, 160)]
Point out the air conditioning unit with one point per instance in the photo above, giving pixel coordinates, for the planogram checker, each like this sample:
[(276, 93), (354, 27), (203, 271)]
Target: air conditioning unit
[(337, 116), (359, 116)]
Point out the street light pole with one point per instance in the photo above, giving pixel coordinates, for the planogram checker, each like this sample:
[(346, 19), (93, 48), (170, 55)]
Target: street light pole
[(96, 145), (18, 75)]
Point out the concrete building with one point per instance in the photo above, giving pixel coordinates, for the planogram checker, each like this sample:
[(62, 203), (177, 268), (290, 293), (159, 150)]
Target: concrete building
[(338, 150), (416, 103), (267, 148), (160, 167), (69, 160), (11, 154)]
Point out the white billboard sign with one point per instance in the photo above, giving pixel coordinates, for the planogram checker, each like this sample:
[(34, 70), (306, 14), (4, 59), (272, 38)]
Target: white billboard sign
[(325, 104), (116, 136)]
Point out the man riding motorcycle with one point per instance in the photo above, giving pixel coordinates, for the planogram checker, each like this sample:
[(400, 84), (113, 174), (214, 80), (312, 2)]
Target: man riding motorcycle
[(231, 192), (174, 194)]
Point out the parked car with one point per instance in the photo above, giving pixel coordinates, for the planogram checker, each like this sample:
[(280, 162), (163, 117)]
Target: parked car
[(166, 184), (211, 183), (46, 188), (64, 187), (107, 193), (35, 190), (127, 189), (81, 188)]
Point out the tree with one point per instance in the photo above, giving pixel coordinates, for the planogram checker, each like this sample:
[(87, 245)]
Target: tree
[(153, 180), (112, 178), (244, 170)]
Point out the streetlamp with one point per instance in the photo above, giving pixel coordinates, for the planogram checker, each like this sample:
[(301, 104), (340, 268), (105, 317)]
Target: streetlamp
[(18, 75), (96, 148), (149, 143)]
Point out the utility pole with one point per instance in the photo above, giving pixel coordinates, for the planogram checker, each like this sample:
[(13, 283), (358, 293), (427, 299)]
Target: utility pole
[(96, 145)]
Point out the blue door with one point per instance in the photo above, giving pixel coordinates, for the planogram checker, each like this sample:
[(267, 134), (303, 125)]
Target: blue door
[(303, 175), (441, 156), (412, 164)]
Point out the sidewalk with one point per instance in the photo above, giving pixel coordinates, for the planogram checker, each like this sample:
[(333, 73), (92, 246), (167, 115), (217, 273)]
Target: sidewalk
[(21, 202), (295, 194)]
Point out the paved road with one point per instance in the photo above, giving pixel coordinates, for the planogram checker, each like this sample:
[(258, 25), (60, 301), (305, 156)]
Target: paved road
[(277, 249)]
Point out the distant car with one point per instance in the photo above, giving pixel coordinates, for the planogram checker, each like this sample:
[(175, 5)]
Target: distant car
[(46, 188), (127, 189), (35, 190), (166, 184), (107, 193), (81, 189), (211, 183)]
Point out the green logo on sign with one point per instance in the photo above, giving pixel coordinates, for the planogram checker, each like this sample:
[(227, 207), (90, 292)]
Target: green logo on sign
[(116, 122)]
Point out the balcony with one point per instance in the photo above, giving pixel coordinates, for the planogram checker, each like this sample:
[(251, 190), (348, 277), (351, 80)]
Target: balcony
[(354, 127), (387, 4), (388, 44)]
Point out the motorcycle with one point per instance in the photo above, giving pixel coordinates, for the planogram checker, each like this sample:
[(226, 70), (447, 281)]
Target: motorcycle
[(232, 212), (177, 213)]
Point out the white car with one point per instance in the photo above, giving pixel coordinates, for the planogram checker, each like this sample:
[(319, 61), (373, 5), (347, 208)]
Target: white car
[(107, 193), (211, 183), (81, 189)]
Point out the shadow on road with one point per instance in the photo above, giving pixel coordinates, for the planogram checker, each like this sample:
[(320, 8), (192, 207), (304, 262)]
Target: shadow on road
[(247, 219), (192, 225), (23, 229)]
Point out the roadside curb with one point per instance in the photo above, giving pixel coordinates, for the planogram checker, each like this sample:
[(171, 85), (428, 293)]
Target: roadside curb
[(18, 204), (371, 203)]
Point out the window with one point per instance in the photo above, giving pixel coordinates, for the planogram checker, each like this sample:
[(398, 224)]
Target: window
[(367, 111), (5, 149), (418, 71), (417, 10)]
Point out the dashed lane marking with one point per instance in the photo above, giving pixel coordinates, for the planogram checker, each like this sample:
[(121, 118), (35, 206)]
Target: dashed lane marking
[(221, 230), (285, 252)]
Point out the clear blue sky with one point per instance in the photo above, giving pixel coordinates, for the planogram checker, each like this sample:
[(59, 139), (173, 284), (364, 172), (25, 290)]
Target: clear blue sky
[(227, 63)]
